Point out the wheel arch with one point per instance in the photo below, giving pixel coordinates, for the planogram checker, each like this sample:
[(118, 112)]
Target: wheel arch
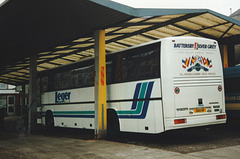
[(49, 112), (113, 123)]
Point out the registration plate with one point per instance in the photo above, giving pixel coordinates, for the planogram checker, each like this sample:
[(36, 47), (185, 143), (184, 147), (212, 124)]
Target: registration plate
[(199, 110)]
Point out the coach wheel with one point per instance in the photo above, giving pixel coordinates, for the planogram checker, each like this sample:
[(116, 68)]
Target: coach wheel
[(113, 129), (49, 121)]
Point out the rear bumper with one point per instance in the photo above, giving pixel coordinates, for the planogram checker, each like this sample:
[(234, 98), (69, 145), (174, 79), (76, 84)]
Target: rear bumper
[(194, 121)]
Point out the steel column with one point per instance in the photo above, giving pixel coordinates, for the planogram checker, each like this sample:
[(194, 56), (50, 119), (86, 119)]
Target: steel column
[(225, 56), (32, 117), (100, 85)]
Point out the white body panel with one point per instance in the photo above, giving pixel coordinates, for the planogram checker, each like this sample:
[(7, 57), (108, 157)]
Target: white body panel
[(193, 66), (115, 92), (161, 105)]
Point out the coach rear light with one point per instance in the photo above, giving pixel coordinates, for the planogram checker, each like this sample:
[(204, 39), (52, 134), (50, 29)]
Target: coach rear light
[(180, 121), (220, 117)]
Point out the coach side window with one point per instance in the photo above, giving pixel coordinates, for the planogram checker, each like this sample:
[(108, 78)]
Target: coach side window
[(63, 80), (141, 63), (111, 68), (84, 76), (44, 84)]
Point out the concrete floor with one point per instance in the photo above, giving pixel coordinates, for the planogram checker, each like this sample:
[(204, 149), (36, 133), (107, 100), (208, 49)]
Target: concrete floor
[(49, 147), (80, 144)]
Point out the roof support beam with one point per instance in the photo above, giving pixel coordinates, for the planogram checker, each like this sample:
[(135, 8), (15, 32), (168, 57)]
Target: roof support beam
[(150, 37), (123, 44), (67, 59), (226, 31), (52, 63), (198, 31), (193, 31), (53, 58), (43, 67), (158, 25)]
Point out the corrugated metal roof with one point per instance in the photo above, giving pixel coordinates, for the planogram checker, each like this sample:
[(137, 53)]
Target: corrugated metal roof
[(237, 13), (61, 31)]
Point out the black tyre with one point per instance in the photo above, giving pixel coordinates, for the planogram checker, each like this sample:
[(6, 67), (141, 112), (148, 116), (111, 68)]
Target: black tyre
[(49, 120), (113, 129)]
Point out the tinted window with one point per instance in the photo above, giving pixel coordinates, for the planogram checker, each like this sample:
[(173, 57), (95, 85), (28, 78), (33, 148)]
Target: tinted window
[(44, 83), (131, 65), (139, 64), (63, 80), (73, 76), (84, 76), (109, 73)]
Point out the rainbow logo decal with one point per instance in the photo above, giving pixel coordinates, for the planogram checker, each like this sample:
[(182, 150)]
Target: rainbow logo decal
[(197, 63)]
